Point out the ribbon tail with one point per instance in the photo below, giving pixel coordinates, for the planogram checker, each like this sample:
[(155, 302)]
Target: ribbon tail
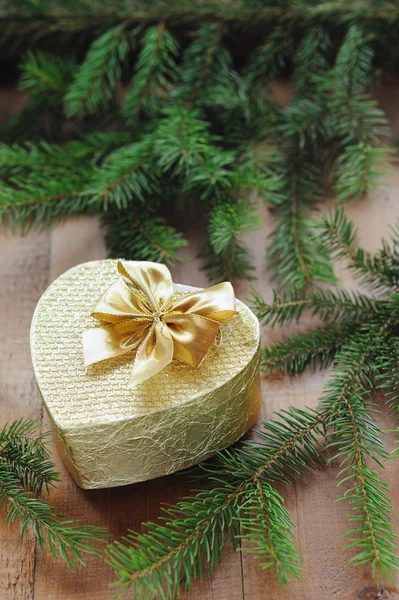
[(153, 354)]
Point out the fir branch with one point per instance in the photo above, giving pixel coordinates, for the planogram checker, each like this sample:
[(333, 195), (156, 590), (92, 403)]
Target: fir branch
[(37, 201), (267, 61), (25, 470), (288, 447), (358, 119), (340, 237), (325, 304), (15, 158), (294, 252), (156, 563), (353, 66), (210, 175), (96, 80), (143, 236), (316, 348), (388, 375), (307, 125), (97, 145), (311, 60), (125, 175), (355, 437), (25, 452), (359, 170), (45, 76), (268, 530), (227, 257), (64, 538), (155, 71), (252, 178), (204, 62), (363, 158), (181, 140), (174, 552)]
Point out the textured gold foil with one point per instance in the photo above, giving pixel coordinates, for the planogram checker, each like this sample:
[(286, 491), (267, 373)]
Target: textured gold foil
[(110, 434)]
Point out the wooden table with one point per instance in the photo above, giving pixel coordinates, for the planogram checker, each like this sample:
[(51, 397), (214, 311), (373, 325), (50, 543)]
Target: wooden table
[(27, 266)]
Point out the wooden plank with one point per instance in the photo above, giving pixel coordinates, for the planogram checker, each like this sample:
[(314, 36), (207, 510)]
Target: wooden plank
[(24, 269)]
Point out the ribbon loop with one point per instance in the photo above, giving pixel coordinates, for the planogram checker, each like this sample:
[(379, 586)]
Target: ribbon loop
[(138, 313)]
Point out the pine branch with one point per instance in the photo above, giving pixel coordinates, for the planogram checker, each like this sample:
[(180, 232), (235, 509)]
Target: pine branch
[(64, 538), (155, 71), (388, 372), (46, 77), (340, 238), (316, 348), (240, 499), (96, 80), (204, 62), (37, 201), (25, 453), (227, 257), (267, 61), (353, 66), (356, 437), (359, 170), (312, 58), (348, 307), (125, 175), (269, 532), (294, 252), (138, 235), (181, 140), (192, 534)]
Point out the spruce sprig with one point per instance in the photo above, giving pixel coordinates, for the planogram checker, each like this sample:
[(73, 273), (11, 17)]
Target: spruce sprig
[(96, 80), (154, 72), (198, 120), (25, 471), (240, 501)]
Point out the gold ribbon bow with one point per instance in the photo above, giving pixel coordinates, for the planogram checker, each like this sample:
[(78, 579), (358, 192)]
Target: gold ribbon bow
[(139, 313)]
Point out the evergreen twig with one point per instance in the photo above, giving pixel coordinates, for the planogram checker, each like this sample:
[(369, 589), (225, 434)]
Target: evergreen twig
[(240, 500), (25, 470)]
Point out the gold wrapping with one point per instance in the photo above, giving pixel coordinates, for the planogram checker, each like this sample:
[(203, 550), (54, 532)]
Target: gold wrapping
[(141, 313), (110, 434)]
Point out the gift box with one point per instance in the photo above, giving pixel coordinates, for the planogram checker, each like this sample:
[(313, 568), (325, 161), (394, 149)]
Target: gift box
[(142, 377)]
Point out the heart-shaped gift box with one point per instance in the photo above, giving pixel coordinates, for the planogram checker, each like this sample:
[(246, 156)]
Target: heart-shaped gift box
[(110, 433)]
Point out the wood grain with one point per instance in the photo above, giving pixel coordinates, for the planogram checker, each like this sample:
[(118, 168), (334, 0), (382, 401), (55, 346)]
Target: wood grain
[(24, 265), (27, 266)]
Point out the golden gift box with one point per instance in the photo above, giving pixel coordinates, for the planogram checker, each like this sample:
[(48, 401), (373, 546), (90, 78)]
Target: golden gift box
[(110, 431)]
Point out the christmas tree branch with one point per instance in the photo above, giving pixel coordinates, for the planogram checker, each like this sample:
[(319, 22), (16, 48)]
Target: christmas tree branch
[(25, 469), (96, 80), (239, 499), (174, 551), (143, 237)]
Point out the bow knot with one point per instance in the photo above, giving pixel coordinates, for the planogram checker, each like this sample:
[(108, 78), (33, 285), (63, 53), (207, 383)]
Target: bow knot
[(138, 313)]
